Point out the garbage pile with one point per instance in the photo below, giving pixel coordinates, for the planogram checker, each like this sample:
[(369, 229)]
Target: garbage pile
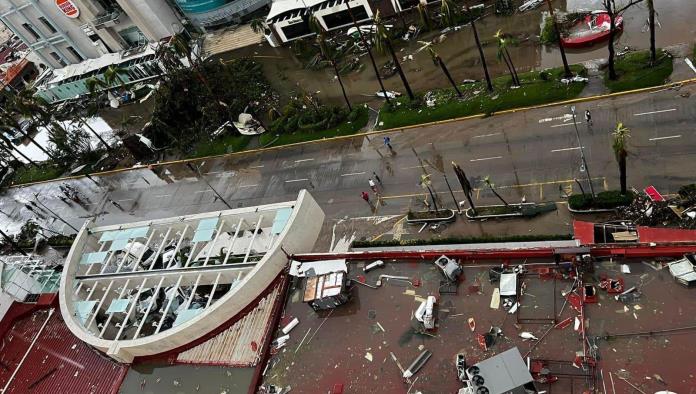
[(678, 212)]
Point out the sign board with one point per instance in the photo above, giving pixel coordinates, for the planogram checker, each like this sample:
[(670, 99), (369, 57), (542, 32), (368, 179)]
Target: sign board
[(68, 8)]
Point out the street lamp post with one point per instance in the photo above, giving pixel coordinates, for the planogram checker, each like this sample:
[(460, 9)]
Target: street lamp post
[(459, 210), (582, 151), (198, 172), (55, 215)]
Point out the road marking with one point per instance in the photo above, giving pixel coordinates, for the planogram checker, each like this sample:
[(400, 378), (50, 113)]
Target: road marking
[(564, 117), (213, 172), (410, 168), (665, 138), (354, 173), (297, 180), (204, 191), (487, 158), (163, 195), (261, 166), (566, 149), (126, 199), (248, 185), (486, 135), (303, 160), (655, 112), (565, 124)]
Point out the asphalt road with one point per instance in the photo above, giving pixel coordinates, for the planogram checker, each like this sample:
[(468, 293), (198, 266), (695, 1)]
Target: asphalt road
[(526, 154)]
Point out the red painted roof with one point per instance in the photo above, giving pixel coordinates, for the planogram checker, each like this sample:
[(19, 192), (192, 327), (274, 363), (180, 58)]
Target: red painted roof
[(655, 234), (583, 232), (58, 362)]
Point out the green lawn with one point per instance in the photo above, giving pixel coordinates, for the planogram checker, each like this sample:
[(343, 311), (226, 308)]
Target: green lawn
[(43, 172), (225, 144), (347, 128), (634, 71), (537, 88)]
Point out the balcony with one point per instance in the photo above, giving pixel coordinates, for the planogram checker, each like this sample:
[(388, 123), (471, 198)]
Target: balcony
[(110, 19)]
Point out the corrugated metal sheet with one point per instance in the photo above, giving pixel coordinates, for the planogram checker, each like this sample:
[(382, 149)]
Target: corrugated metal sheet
[(58, 362), (240, 344)]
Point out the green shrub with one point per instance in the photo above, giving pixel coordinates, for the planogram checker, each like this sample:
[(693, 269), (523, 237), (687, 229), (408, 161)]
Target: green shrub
[(462, 240), (605, 200)]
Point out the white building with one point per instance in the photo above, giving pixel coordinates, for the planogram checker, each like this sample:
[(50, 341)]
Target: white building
[(62, 32), (152, 287)]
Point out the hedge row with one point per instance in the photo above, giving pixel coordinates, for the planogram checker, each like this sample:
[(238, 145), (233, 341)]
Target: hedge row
[(605, 200), (462, 240)]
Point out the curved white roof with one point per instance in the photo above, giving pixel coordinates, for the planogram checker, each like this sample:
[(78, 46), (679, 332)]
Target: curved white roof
[(146, 288), (282, 6)]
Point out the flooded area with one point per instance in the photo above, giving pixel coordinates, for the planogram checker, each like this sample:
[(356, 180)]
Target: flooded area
[(459, 52), (186, 379)]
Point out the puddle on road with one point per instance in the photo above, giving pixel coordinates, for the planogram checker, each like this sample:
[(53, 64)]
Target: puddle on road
[(186, 379)]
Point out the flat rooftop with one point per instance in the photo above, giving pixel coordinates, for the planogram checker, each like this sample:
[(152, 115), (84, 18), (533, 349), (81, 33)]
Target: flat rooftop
[(353, 344)]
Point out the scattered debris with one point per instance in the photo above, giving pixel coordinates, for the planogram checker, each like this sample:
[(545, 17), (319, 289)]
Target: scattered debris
[(294, 322), (368, 356), (472, 324), (373, 265), (528, 335), (417, 364), (425, 313)]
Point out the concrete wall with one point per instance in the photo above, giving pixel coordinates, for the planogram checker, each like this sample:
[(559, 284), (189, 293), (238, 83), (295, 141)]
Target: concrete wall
[(155, 18), (299, 235)]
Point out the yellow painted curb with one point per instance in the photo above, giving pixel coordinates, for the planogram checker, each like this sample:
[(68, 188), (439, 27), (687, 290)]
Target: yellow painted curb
[(371, 133)]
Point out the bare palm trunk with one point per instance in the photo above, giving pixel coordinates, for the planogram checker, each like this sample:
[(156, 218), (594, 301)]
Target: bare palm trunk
[(447, 74), (622, 172), (489, 85), (612, 36), (369, 52), (84, 122), (397, 64), (340, 82), (651, 23), (512, 66), (11, 151), (432, 197), (498, 195), (33, 141), (566, 68)]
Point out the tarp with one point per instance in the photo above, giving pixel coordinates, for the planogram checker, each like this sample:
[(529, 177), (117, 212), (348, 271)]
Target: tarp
[(508, 284), (316, 268)]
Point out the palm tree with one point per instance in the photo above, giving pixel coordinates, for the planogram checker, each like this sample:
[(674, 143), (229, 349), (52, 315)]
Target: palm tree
[(369, 53), (8, 120), (383, 44), (557, 33), (651, 25), (258, 25), (487, 181), (328, 52), (619, 144), (7, 147), (466, 186), (450, 17), (82, 121), (113, 75), (439, 62), (613, 12), (424, 17), (503, 53), (426, 183)]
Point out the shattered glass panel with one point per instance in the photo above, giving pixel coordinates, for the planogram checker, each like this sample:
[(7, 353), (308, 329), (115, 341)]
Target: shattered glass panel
[(83, 309), (203, 235), (118, 305), (140, 232), (281, 219), (187, 315), (108, 236), (123, 234), (119, 244), (93, 258), (207, 224)]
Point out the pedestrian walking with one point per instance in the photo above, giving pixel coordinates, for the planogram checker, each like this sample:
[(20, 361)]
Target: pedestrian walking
[(373, 185), (588, 117), (387, 142), (374, 174), (117, 205), (366, 196)]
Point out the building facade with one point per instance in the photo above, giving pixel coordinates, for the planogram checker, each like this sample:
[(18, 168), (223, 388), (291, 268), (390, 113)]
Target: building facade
[(207, 14), (63, 32)]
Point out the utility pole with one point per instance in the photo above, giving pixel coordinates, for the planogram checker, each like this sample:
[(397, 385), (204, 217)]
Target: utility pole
[(198, 172), (56, 216), (582, 152)]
